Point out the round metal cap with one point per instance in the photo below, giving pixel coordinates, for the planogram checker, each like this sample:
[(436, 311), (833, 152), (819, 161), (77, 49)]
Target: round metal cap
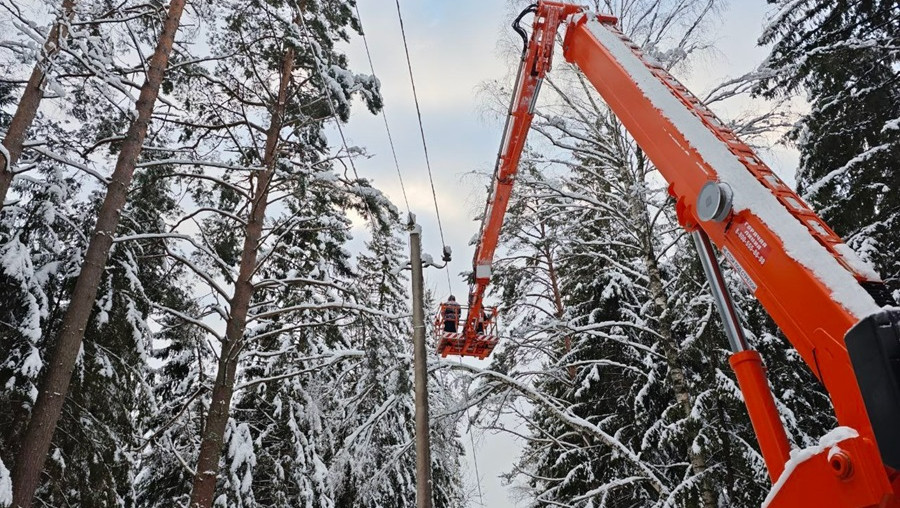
[(714, 202)]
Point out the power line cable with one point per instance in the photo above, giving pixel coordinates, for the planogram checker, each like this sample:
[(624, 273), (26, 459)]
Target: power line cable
[(412, 81), (475, 460), (472, 442), (383, 110)]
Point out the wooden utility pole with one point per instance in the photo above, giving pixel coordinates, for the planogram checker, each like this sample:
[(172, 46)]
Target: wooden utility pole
[(423, 441)]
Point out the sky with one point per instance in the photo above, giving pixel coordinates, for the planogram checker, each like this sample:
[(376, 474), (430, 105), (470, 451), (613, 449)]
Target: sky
[(455, 46)]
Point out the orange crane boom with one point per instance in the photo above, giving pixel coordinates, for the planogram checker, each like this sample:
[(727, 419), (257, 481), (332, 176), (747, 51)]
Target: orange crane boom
[(808, 280)]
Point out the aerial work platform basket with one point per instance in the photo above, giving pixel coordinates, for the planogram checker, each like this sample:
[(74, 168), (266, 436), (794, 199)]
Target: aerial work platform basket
[(454, 339)]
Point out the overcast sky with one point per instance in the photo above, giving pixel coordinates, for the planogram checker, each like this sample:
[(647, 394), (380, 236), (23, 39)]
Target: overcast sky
[(454, 48)]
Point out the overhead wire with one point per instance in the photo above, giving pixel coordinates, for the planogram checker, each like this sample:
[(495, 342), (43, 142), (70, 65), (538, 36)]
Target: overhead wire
[(412, 81), (437, 212), (472, 443), (387, 127)]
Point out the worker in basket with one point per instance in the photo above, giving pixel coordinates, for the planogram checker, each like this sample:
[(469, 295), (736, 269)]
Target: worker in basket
[(451, 314), (483, 322)]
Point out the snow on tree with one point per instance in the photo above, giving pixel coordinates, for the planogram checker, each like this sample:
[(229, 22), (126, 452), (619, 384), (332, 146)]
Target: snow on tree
[(374, 462), (162, 475), (44, 231), (377, 452), (5, 486), (844, 56), (48, 407), (237, 346), (265, 243), (21, 121), (131, 433), (42, 240)]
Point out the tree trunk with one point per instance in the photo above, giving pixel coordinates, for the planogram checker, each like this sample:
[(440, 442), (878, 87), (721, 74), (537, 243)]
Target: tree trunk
[(669, 344), (47, 409), (31, 99), (557, 298), (204, 488), (676, 373)]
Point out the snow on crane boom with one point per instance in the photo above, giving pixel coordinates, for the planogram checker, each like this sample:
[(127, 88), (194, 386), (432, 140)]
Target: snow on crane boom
[(827, 301)]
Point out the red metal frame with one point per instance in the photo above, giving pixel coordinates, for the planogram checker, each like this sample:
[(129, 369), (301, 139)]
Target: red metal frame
[(458, 344), (800, 303), (534, 65)]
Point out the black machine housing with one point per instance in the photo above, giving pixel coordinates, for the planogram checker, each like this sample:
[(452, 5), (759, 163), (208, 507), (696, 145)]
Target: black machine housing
[(874, 348)]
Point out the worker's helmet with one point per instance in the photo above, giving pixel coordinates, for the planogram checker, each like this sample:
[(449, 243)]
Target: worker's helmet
[(451, 298)]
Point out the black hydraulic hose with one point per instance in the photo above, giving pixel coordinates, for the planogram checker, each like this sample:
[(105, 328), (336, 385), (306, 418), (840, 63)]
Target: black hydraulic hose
[(521, 31)]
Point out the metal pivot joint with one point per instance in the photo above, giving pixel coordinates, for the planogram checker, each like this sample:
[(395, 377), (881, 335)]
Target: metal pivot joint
[(714, 202)]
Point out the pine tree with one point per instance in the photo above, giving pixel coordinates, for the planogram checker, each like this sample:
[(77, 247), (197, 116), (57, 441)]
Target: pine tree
[(31, 97), (55, 385)]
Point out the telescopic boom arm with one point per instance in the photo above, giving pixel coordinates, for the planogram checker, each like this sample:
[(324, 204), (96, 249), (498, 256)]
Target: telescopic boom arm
[(824, 298)]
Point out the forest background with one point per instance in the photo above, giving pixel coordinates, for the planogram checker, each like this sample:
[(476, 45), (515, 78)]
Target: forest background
[(459, 110)]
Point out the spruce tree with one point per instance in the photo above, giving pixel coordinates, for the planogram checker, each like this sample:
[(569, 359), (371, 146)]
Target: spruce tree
[(374, 464), (844, 57)]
